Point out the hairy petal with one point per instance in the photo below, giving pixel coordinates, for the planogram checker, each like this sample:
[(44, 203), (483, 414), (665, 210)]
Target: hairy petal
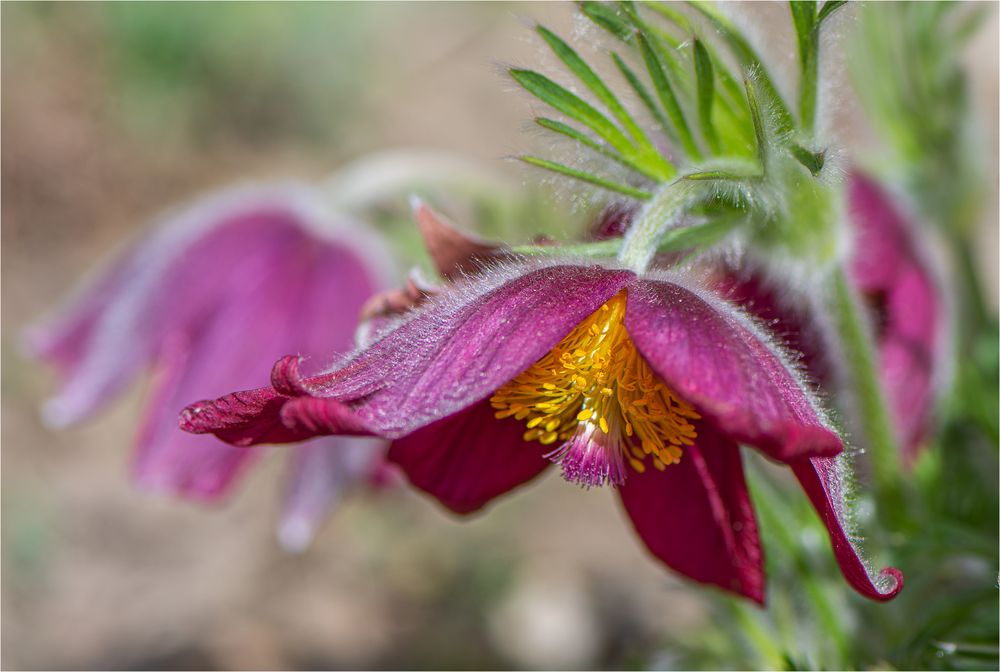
[(717, 360), (823, 482), (448, 355), (696, 516)]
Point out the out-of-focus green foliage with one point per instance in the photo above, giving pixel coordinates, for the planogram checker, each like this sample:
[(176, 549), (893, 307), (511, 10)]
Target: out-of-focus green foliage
[(906, 63), (268, 62)]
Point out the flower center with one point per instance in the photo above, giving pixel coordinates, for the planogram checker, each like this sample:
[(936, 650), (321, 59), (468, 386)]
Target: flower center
[(596, 396)]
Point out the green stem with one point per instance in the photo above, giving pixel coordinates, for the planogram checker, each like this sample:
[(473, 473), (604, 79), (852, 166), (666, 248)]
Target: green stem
[(861, 365), (786, 525), (660, 212), (977, 317), (810, 75)]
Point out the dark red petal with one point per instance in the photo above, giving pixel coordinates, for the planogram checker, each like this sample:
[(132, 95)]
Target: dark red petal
[(469, 458), (242, 418), (821, 479), (710, 354), (452, 250), (696, 516)]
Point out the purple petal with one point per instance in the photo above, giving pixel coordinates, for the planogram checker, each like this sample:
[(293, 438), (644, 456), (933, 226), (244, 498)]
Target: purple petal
[(888, 268), (322, 471), (717, 360), (168, 461), (451, 353), (881, 239), (210, 299), (696, 516), (469, 458), (823, 483)]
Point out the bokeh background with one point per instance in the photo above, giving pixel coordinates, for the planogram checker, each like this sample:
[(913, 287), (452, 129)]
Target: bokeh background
[(113, 112)]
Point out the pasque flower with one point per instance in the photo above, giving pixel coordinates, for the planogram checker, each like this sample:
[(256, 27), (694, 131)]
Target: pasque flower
[(645, 382), (208, 300)]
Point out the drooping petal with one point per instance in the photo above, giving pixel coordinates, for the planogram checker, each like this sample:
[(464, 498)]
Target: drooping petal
[(696, 516), (467, 459), (208, 300), (888, 268), (789, 319), (188, 465), (822, 480), (322, 471), (718, 361), (448, 355), (909, 356)]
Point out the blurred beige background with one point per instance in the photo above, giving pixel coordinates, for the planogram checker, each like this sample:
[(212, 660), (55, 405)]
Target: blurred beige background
[(113, 112)]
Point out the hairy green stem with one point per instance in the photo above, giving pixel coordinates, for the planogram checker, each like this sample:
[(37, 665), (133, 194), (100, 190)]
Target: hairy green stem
[(807, 97), (659, 213), (863, 377)]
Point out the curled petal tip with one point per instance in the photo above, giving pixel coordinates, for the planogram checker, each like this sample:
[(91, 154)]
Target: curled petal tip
[(286, 378), (889, 584)]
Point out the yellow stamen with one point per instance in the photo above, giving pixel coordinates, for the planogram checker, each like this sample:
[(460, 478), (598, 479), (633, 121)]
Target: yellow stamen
[(596, 379)]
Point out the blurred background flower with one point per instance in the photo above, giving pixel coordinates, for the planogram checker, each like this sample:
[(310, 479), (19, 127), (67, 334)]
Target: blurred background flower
[(112, 112)]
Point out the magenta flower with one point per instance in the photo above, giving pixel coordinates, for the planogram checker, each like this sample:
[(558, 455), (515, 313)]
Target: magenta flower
[(890, 270), (207, 301), (646, 383)]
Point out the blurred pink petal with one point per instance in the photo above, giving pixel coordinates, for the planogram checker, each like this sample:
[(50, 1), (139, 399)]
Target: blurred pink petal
[(208, 299), (890, 269)]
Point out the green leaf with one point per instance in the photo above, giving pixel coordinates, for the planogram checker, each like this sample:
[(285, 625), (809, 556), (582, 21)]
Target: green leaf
[(667, 98), (760, 132), (651, 157), (572, 133), (829, 7), (672, 15), (812, 160), (644, 95), (707, 175), (607, 18), (748, 59), (574, 107), (804, 18), (589, 178), (706, 94)]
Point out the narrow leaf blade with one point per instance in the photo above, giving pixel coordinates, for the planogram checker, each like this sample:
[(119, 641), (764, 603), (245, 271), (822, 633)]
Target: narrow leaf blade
[(589, 178)]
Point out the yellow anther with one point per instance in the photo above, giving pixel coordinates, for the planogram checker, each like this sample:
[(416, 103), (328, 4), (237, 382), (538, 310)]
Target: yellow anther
[(596, 372)]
